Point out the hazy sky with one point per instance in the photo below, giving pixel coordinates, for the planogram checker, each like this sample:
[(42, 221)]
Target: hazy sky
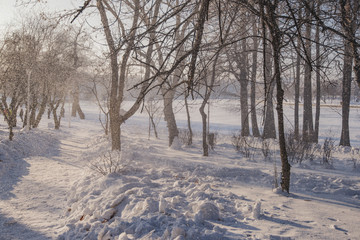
[(10, 9)]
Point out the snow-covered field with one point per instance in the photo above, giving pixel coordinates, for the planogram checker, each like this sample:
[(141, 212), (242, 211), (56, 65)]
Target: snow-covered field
[(48, 189)]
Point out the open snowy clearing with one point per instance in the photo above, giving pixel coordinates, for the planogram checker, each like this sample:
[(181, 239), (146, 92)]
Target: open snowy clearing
[(47, 190)]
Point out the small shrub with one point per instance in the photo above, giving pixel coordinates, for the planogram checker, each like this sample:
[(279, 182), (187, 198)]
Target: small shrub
[(184, 137), (355, 154), (108, 163), (212, 140), (243, 145), (297, 149), (265, 148), (327, 151)]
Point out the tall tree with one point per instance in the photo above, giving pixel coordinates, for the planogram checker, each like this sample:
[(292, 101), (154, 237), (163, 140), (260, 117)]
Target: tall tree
[(308, 127), (348, 25), (318, 76), (254, 123), (269, 85)]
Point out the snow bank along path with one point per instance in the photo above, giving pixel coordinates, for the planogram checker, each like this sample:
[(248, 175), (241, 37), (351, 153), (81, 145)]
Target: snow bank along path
[(32, 198)]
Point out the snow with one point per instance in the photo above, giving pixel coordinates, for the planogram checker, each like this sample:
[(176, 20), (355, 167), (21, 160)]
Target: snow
[(52, 186)]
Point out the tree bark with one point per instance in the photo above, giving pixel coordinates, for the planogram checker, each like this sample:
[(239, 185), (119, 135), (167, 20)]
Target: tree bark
[(254, 124), (297, 94), (243, 79), (75, 108), (170, 116), (346, 93), (276, 45), (318, 77), (269, 119), (308, 127), (188, 118)]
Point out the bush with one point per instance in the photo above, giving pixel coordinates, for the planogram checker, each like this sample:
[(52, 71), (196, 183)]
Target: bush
[(266, 148), (327, 151), (212, 137), (243, 145), (184, 137), (108, 163), (298, 150), (354, 157)]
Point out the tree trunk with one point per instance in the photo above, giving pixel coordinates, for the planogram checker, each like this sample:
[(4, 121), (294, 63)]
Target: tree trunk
[(269, 125), (188, 119), (41, 111), (243, 79), (276, 44), (297, 86), (355, 48), (308, 127), (203, 104), (170, 116), (204, 129), (346, 92), (318, 77), (269, 120), (254, 124), (76, 104)]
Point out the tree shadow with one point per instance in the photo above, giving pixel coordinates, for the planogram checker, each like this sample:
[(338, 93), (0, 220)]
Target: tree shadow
[(14, 166), (284, 222), (328, 198), (9, 227)]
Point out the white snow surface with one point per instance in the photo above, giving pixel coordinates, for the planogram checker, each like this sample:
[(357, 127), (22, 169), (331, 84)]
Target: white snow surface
[(50, 190)]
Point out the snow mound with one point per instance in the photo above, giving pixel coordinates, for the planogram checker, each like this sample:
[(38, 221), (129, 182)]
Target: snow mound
[(207, 211), (176, 144), (146, 202)]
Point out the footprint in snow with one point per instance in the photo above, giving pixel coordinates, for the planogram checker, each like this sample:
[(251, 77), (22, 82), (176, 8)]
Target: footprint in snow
[(338, 228)]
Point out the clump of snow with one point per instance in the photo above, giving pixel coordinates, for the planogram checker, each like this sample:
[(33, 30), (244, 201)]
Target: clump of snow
[(256, 210), (176, 144), (207, 211), (145, 203)]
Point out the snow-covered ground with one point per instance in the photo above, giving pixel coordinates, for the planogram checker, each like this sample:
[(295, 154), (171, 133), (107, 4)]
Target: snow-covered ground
[(49, 190)]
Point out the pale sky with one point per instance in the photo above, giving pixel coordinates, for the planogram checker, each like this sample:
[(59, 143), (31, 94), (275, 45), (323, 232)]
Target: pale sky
[(10, 9)]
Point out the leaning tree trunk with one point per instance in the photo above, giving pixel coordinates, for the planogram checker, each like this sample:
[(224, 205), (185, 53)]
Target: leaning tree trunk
[(76, 104), (41, 111)]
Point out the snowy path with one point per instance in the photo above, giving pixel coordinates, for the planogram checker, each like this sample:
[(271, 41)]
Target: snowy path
[(37, 201)]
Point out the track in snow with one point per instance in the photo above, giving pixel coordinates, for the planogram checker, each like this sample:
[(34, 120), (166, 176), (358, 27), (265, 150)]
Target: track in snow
[(33, 207)]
